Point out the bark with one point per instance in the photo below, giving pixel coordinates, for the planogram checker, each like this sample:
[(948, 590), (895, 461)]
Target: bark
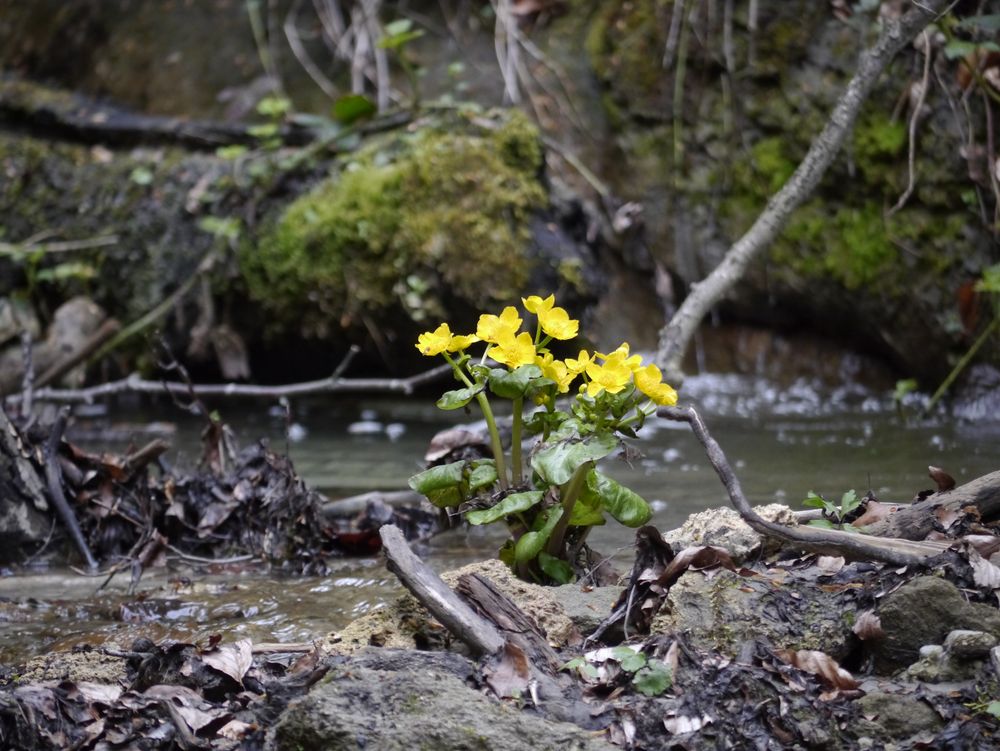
[(677, 334), (916, 521), (24, 509)]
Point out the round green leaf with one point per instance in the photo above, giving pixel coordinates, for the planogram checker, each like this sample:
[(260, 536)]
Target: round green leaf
[(530, 544), (353, 107), (511, 504), (483, 474), (556, 463), (513, 384), (625, 505), (457, 398), (653, 679), (556, 568), (442, 485)]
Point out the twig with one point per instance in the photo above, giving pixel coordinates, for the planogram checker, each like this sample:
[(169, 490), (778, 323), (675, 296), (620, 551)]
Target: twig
[(28, 380), (914, 117), (200, 559), (54, 477), (134, 384), (63, 246), (890, 550), (960, 366)]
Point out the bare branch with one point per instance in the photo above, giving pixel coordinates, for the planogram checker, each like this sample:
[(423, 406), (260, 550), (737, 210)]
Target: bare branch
[(677, 334), (829, 541)]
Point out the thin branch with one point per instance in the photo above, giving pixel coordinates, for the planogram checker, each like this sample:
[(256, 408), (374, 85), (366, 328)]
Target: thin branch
[(134, 384), (914, 119), (33, 244), (28, 380), (53, 476), (107, 330), (677, 334), (830, 541)]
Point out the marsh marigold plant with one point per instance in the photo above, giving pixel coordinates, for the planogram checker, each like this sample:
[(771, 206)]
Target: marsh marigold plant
[(550, 502)]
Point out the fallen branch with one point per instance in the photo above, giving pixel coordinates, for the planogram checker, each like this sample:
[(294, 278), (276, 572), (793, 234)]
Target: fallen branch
[(53, 476), (107, 330), (474, 631), (827, 541), (677, 334), (135, 384)]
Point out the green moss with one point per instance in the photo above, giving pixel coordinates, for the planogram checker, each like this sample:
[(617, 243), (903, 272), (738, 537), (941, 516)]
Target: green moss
[(441, 211)]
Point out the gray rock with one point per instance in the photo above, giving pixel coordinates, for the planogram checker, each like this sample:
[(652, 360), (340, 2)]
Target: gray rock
[(924, 611), (406, 701), (967, 644), (895, 716), (726, 610), (724, 527), (586, 609)]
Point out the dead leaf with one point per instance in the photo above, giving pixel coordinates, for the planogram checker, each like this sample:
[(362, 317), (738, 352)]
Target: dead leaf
[(829, 564), (875, 511), (819, 664), (700, 557), (985, 545), (508, 672), (868, 626), (942, 479), (232, 660), (684, 724), (984, 573)]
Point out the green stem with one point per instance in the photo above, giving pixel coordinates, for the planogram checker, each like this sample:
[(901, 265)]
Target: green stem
[(960, 365), (569, 493), (515, 442), (491, 423)]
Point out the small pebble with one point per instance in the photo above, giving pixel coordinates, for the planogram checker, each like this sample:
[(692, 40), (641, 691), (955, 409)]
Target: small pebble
[(966, 644), (395, 430)]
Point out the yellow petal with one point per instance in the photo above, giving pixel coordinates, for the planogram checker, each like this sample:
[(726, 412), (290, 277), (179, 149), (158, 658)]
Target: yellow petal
[(535, 304), (557, 324)]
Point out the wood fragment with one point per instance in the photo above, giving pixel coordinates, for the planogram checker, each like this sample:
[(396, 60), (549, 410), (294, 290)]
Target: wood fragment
[(53, 475), (455, 615)]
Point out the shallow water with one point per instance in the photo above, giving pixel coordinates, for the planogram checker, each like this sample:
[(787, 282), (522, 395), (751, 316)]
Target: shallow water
[(781, 442)]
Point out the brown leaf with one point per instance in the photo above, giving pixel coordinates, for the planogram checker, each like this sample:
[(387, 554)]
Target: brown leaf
[(232, 660), (819, 664), (703, 556), (454, 439), (984, 573), (985, 545), (868, 626), (188, 705), (943, 480), (875, 511), (508, 672), (830, 564)]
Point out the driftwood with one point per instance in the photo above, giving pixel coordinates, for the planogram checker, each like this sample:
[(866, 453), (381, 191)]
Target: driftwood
[(916, 521), (896, 551), (477, 633), (343, 508)]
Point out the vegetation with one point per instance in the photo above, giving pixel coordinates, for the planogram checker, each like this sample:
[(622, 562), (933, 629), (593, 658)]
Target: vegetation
[(550, 508)]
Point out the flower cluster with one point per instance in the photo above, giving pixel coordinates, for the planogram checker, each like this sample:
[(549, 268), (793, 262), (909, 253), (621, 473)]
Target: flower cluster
[(512, 347), (551, 497)]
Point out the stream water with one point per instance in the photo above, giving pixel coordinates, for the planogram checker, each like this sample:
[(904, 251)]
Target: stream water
[(783, 442)]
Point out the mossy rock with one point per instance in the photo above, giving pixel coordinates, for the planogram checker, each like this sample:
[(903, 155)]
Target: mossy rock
[(414, 224)]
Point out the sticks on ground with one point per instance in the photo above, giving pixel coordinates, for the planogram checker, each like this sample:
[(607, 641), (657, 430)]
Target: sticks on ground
[(831, 542)]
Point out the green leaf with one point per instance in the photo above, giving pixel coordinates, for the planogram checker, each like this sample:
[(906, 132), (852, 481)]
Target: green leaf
[(633, 662), (457, 398), (989, 22), (822, 524), (353, 107), (512, 504), (221, 226), (587, 512), (231, 152), (556, 568), (506, 553), (141, 176), (441, 485), (273, 106), (653, 679), (399, 33), (63, 271), (399, 26), (556, 463), (513, 384), (483, 474), (626, 506), (531, 543), (265, 130), (815, 501), (572, 664), (993, 708), (848, 502)]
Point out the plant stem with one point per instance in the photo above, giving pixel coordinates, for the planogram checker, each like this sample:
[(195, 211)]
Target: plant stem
[(960, 366), (491, 423), (569, 493), (515, 442)]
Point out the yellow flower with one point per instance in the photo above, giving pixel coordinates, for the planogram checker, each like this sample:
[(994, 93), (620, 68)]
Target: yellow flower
[(555, 370), (514, 351), (612, 377), (579, 365), (493, 328), (557, 324), (535, 304), (435, 342), (621, 356), (649, 380), (442, 340)]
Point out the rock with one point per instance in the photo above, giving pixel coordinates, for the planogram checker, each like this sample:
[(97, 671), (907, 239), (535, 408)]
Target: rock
[(966, 644), (923, 611), (404, 701), (405, 624), (725, 528), (725, 610), (895, 716)]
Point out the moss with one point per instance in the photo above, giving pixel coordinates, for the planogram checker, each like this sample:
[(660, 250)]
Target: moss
[(442, 211)]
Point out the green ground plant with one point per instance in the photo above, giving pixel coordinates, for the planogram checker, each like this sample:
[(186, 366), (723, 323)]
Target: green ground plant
[(551, 501)]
